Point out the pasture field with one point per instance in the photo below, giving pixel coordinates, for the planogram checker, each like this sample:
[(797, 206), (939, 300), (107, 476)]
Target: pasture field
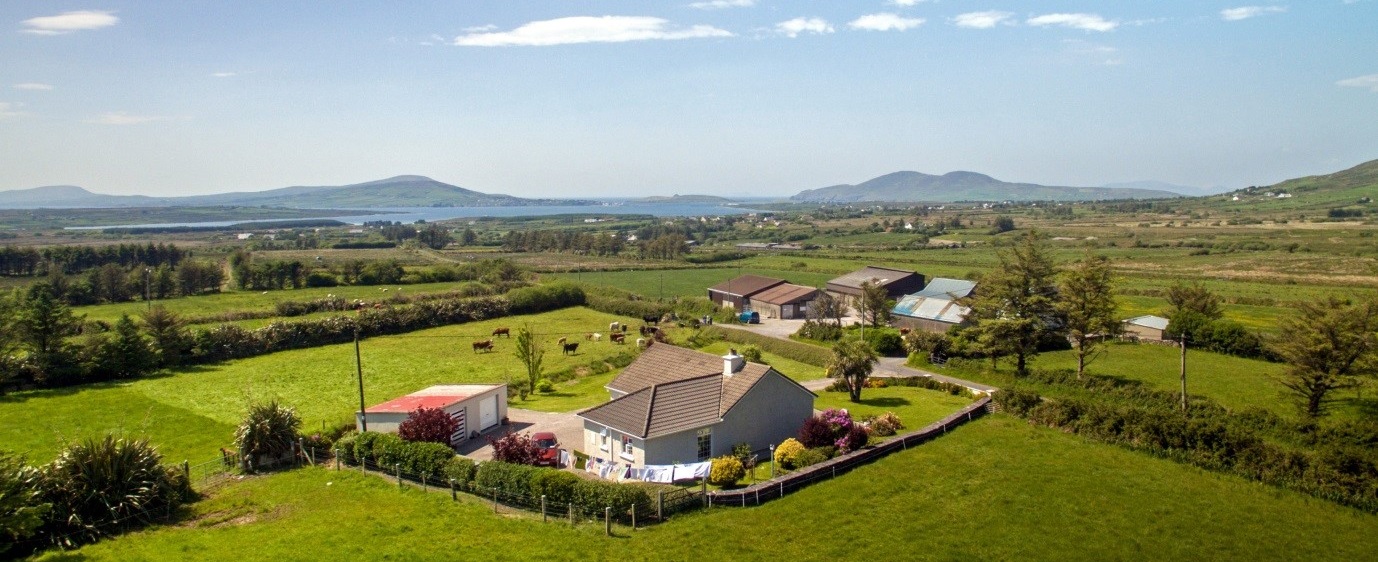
[(685, 282), (194, 409), (994, 489)]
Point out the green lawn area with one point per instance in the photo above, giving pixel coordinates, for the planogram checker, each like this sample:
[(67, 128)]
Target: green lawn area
[(686, 282), (192, 411), (994, 489), (916, 407), (569, 396), (788, 367)]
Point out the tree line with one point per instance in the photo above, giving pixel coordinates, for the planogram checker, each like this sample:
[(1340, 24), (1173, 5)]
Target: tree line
[(27, 261)]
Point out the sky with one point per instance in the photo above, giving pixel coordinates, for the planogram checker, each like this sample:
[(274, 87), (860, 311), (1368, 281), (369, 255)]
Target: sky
[(569, 98)]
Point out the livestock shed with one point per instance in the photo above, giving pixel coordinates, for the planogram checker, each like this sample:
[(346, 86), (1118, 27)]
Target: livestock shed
[(1147, 327), (784, 301), (737, 292), (477, 408), (945, 288), (930, 314), (897, 282)]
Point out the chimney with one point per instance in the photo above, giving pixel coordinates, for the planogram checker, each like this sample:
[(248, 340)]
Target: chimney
[(731, 363)]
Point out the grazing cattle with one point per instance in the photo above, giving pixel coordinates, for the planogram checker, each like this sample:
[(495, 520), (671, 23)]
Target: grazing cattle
[(615, 326), (485, 345), (588, 336), (597, 336), (649, 330), (502, 332), (619, 338), (651, 319), (571, 348), (624, 328), (562, 341)]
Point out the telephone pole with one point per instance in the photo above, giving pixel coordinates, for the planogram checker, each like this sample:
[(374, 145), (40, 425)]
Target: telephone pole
[(1183, 344), (359, 367)]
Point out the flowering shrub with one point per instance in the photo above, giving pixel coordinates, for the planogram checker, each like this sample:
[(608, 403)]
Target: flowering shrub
[(726, 471), (787, 454), (855, 438), (515, 448), (839, 421), (886, 424), (816, 433), (428, 424)]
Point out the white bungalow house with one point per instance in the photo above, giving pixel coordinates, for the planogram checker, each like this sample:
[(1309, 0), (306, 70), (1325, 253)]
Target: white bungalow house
[(676, 405)]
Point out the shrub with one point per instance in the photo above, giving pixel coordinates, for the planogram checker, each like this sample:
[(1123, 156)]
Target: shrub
[(787, 453), (545, 386), (885, 342), (387, 450), (839, 421), (810, 457), (22, 509), (819, 331), (344, 448), (425, 458), (268, 430), (886, 424), (726, 471), (505, 476), (428, 424), (556, 485), (927, 343), (596, 494), (855, 438), (541, 298), (460, 469), (1016, 401), (515, 448), (752, 353), (816, 433), (99, 484)]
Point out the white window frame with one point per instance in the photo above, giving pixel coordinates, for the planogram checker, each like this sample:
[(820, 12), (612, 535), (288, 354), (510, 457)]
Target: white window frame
[(705, 432), (603, 439), (628, 450)]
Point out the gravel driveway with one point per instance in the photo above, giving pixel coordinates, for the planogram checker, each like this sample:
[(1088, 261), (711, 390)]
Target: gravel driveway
[(567, 427)]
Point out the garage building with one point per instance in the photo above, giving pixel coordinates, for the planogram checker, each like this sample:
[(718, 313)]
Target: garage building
[(477, 408), (785, 301)]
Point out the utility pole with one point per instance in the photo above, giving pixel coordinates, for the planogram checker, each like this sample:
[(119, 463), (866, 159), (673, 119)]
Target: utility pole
[(147, 274), (359, 367), (1183, 345)]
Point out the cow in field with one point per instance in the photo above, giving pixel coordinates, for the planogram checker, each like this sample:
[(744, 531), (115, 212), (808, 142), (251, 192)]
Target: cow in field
[(619, 337), (485, 345), (562, 341), (649, 330), (615, 326), (504, 332), (571, 348), (650, 319)]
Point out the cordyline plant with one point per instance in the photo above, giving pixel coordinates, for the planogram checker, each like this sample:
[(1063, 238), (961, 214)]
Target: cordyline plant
[(100, 485), (516, 448), (431, 425), (268, 430)]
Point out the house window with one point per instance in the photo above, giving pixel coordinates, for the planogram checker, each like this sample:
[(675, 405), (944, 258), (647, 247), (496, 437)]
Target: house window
[(627, 446), (705, 444), (603, 439)]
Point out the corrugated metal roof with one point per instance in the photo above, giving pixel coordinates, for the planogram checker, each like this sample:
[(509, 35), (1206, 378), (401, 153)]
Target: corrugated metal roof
[(951, 289), (438, 396), (1149, 321), (786, 294), (884, 275), (746, 285), (928, 308)]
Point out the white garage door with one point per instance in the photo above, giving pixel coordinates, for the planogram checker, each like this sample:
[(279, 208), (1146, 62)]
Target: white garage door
[(488, 412)]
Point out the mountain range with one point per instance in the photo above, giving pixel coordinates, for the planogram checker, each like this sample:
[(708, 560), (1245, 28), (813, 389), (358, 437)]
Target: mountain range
[(965, 186), (399, 191)]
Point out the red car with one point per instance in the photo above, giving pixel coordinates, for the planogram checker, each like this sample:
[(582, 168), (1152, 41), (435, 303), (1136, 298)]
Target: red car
[(550, 449)]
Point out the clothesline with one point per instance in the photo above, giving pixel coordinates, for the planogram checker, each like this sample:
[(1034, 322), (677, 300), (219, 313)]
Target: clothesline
[(660, 473)]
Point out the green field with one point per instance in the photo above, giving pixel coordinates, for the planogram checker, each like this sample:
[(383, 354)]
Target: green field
[(686, 282), (191, 412), (994, 489), (916, 407)]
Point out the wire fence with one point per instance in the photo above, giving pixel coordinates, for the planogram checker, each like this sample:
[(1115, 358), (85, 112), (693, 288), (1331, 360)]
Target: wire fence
[(781, 486)]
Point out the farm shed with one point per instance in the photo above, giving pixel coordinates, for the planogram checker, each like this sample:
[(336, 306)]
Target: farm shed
[(737, 292), (1147, 327), (784, 301), (477, 408), (945, 288), (676, 405), (897, 282), (930, 314)]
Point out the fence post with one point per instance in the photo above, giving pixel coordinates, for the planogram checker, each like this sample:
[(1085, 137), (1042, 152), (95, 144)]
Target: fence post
[(543, 517), (495, 500), (607, 521), (186, 469), (423, 482), (660, 506), (453, 495), (301, 450), (337, 459), (633, 517), (704, 489), (571, 514), (398, 467)]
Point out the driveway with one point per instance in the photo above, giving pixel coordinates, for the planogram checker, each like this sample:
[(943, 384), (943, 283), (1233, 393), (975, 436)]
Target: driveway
[(567, 427)]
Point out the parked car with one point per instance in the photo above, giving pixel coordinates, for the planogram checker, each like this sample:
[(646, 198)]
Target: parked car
[(550, 449), (749, 317)]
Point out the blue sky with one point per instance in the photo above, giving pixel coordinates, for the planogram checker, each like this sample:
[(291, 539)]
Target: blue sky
[(729, 97)]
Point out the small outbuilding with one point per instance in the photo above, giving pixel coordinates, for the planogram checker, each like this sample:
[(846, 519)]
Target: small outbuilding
[(477, 408), (785, 301), (738, 291), (1146, 327), (930, 314), (897, 282)]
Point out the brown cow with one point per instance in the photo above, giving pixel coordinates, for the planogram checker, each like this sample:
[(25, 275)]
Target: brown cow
[(619, 337), (502, 332), (571, 348), (485, 345), (562, 341)]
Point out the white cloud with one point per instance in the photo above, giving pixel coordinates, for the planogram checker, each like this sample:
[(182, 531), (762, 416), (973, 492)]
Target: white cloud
[(885, 22), (1087, 22), (982, 20), (480, 28), (720, 4), (906, 2), (36, 86), (9, 110), (224, 74), (796, 26), (68, 22), (124, 118), (1246, 12), (1370, 81), (587, 29)]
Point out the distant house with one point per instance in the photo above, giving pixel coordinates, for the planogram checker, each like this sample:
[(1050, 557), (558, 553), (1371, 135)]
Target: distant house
[(784, 301), (935, 308), (477, 408), (737, 292), (897, 282), (1147, 327), (675, 405)]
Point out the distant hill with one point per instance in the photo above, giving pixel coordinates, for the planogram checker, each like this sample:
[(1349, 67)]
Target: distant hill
[(400, 191), (964, 186), (1346, 188), (67, 197), (1165, 186), (710, 199)]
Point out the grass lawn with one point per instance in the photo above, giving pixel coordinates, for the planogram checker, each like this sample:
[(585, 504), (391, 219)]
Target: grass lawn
[(196, 407), (916, 407), (995, 489), (577, 394), (788, 367)]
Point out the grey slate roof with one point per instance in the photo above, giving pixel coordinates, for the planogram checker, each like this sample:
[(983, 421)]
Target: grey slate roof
[(866, 274), (1149, 321), (671, 389), (786, 293), (944, 288)]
